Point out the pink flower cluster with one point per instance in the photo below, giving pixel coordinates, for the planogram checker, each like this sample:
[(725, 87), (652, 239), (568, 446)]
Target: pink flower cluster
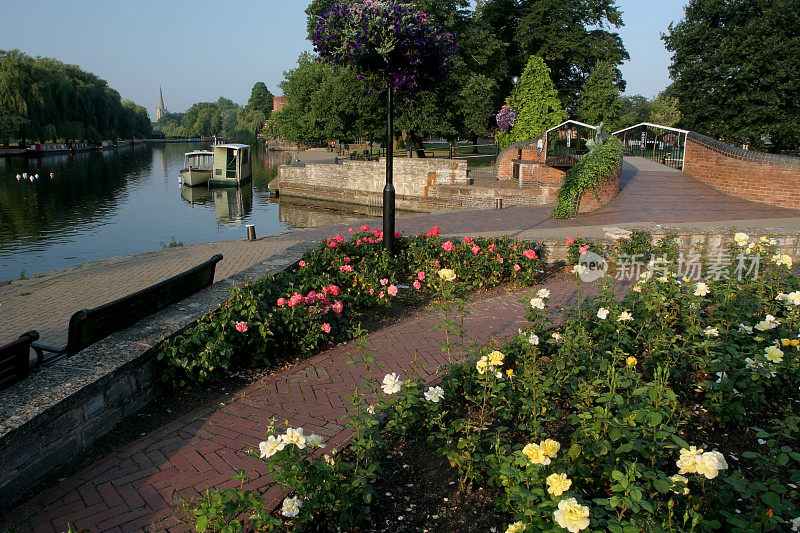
[(434, 231), (314, 297), (241, 327)]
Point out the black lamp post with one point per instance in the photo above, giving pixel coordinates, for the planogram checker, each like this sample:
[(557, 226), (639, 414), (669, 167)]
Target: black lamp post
[(388, 190)]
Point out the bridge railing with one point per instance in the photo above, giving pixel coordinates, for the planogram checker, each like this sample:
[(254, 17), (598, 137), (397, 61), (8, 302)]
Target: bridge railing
[(661, 144)]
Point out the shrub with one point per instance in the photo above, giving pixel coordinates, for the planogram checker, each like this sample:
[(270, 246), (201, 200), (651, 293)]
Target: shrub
[(334, 288), (591, 171)]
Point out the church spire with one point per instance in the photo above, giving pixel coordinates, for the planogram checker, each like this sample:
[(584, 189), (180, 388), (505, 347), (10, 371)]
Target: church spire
[(161, 110)]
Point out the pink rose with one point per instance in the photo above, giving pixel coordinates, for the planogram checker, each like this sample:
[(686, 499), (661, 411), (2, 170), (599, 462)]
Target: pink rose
[(302, 263), (447, 246), (365, 227), (417, 285), (468, 240), (475, 248), (347, 260), (358, 242), (492, 247), (529, 254), (434, 231), (499, 258), (295, 299), (517, 268), (350, 230), (333, 244), (334, 290), (384, 281), (421, 275), (339, 239), (338, 306), (397, 234), (380, 294), (241, 327), (583, 249), (326, 327), (281, 302), (345, 268), (570, 240), (392, 290), (372, 291)]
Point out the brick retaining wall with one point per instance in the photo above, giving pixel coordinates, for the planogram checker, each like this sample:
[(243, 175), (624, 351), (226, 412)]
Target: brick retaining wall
[(766, 178), (606, 191)]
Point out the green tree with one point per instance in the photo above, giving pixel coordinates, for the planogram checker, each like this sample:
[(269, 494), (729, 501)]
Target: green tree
[(260, 99), (633, 110), (735, 70), (536, 100), (600, 99), (665, 110), (571, 37)]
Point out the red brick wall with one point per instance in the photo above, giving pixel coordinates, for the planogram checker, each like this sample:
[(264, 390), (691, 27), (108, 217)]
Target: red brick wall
[(765, 178), (606, 191)]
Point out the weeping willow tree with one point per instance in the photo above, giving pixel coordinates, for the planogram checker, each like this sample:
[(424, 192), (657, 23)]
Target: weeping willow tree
[(45, 99)]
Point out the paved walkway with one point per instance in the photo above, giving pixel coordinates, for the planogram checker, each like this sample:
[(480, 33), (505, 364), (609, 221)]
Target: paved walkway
[(651, 194), (143, 483), (136, 485)]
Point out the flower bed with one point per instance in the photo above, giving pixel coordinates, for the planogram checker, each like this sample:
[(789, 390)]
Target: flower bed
[(331, 292), (673, 408)]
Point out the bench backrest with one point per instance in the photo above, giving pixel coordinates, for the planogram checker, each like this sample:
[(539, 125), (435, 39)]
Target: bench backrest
[(88, 326), (15, 359)]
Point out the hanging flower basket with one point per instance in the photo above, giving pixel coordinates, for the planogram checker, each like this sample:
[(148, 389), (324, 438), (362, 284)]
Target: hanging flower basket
[(384, 42)]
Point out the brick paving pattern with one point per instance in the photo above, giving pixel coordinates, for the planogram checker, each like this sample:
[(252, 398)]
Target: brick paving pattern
[(138, 485), (142, 484)]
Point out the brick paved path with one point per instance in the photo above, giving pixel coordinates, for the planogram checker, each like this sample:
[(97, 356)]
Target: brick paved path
[(46, 302), (139, 485)]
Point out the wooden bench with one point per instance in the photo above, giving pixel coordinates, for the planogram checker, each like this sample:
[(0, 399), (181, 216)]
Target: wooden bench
[(88, 326), (15, 361)]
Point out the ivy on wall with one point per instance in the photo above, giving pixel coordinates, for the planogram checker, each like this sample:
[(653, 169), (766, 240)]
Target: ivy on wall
[(590, 171)]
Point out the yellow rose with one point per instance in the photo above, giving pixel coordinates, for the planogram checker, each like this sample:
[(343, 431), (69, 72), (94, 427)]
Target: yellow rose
[(677, 478), (496, 358), (447, 275), (631, 361), (558, 484), (510, 372), (774, 354), (535, 454), (516, 527), (571, 515), (482, 365), (550, 447), (688, 460)]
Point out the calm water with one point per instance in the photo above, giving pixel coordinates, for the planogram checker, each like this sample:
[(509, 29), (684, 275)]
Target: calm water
[(103, 204)]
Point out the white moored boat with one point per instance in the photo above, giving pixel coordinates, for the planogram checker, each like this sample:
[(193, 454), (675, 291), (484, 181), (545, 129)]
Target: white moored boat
[(198, 167)]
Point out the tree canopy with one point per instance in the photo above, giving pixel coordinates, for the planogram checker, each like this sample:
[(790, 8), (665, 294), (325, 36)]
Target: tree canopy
[(735, 70), (600, 99), (536, 100), (42, 98)]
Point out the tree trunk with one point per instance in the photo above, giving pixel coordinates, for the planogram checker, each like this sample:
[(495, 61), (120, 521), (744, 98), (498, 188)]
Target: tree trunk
[(474, 144), (414, 146)]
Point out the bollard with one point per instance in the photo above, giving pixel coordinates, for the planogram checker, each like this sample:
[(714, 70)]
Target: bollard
[(498, 203), (335, 160), (251, 232)]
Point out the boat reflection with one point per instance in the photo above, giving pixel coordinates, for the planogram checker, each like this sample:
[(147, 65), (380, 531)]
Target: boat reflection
[(233, 204), (196, 195)]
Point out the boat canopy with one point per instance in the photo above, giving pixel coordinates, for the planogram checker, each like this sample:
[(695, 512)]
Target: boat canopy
[(232, 146)]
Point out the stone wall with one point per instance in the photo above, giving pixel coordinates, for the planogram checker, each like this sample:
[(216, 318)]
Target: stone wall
[(51, 417), (766, 178), (411, 177)]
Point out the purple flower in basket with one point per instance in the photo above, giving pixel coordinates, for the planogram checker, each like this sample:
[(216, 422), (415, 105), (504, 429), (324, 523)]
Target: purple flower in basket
[(384, 42), (506, 118)]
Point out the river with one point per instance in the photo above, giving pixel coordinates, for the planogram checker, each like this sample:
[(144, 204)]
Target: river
[(128, 200)]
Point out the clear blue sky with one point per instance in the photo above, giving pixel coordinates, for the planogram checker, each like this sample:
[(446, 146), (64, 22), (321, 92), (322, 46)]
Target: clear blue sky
[(204, 49)]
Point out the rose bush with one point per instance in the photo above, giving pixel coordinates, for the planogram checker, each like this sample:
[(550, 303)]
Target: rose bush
[(341, 283)]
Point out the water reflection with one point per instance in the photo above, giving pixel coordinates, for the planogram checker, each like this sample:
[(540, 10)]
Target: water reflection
[(128, 200), (233, 204)]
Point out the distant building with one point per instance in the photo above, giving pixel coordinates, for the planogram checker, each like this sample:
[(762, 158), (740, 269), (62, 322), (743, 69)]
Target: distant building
[(160, 110), (278, 102)]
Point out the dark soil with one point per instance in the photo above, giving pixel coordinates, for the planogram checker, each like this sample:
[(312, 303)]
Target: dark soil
[(418, 490)]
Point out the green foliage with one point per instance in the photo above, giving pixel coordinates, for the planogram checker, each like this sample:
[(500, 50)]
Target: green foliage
[(593, 169), (600, 101), (173, 243), (571, 37), (732, 76), (665, 110), (260, 99), (536, 101), (42, 98), (294, 314)]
